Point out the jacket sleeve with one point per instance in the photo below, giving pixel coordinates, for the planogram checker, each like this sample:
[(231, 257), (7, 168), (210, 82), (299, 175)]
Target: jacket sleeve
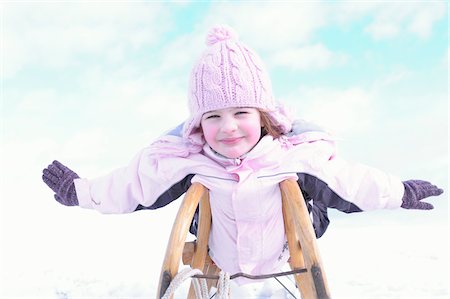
[(352, 187), (174, 192), (341, 184), (318, 212), (142, 184)]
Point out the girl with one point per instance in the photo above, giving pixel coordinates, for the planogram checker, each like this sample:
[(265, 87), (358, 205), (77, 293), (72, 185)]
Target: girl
[(240, 143)]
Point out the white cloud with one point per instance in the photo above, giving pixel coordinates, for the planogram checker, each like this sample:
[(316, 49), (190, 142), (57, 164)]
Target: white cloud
[(344, 111), (395, 76), (181, 53), (86, 144), (268, 26), (380, 30), (145, 97), (424, 18), (389, 19), (31, 111), (345, 12), (308, 57), (37, 99), (395, 19), (53, 34), (164, 109)]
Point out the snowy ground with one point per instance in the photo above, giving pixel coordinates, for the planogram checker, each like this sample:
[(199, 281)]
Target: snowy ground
[(74, 253)]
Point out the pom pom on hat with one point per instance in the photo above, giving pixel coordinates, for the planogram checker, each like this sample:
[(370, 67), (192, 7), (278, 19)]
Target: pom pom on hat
[(219, 33)]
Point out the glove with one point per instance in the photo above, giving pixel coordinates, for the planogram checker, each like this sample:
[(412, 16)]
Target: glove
[(60, 179), (416, 190)]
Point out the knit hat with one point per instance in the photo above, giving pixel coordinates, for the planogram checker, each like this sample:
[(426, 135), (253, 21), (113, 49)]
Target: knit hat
[(229, 74)]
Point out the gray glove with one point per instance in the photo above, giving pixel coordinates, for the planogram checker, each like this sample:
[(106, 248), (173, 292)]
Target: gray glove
[(60, 179), (416, 190)]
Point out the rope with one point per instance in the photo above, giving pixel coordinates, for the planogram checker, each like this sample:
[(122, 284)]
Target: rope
[(200, 287), (223, 285)]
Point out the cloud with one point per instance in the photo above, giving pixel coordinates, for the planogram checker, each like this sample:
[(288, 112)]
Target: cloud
[(181, 53), (390, 21), (56, 35), (343, 111), (165, 108), (380, 30), (346, 12), (267, 26), (422, 22), (271, 26), (306, 58), (154, 99), (36, 99), (29, 112), (395, 76)]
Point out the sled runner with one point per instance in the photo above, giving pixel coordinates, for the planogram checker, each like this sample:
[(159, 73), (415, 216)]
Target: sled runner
[(304, 254)]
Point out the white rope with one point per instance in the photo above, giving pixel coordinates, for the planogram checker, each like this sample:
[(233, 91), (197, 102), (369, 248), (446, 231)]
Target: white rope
[(200, 287), (223, 285), (181, 276)]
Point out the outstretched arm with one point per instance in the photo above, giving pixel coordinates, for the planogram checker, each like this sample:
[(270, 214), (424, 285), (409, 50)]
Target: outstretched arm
[(352, 187), (146, 183)]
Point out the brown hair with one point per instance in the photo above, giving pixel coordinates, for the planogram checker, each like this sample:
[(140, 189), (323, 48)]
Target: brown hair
[(269, 127)]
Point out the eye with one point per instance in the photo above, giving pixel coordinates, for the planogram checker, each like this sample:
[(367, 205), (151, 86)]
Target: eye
[(211, 116), (241, 112)]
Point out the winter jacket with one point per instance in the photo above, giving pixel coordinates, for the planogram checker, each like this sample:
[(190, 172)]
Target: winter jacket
[(247, 233)]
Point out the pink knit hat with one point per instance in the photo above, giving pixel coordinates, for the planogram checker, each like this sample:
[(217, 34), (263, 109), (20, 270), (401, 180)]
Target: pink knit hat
[(229, 74)]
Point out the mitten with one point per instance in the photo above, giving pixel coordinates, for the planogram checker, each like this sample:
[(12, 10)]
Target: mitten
[(416, 190), (60, 179)]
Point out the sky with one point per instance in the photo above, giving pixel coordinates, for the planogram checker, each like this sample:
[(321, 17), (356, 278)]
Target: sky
[(90, 83)]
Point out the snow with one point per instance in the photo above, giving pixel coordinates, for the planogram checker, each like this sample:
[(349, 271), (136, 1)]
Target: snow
[(75, 253)]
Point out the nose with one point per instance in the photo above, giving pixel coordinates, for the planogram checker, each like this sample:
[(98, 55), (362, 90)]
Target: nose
[(229, 125)]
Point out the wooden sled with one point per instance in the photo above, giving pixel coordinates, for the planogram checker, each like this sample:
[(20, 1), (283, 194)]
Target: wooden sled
[(304, 252)]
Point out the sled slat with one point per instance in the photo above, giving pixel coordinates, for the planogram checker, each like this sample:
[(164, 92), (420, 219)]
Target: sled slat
[(201, 246), (302, 243), (178, 235)]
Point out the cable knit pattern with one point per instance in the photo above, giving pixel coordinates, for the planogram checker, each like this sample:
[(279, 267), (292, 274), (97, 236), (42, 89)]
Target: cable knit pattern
[(229, 74)]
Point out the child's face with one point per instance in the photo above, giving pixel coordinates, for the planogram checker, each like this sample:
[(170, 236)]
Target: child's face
[(232, 132)]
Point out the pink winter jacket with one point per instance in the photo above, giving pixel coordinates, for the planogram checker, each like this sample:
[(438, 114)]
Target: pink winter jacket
[(247, 233)]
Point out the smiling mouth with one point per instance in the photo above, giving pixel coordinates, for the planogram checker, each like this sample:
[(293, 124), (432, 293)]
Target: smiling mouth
[(231, 141)]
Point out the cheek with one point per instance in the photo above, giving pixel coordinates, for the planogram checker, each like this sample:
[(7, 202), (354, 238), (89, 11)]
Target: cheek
[(209, 132), (253, 128)]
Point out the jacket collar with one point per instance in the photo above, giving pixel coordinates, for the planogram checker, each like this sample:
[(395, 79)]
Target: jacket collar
[(266, 153)]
